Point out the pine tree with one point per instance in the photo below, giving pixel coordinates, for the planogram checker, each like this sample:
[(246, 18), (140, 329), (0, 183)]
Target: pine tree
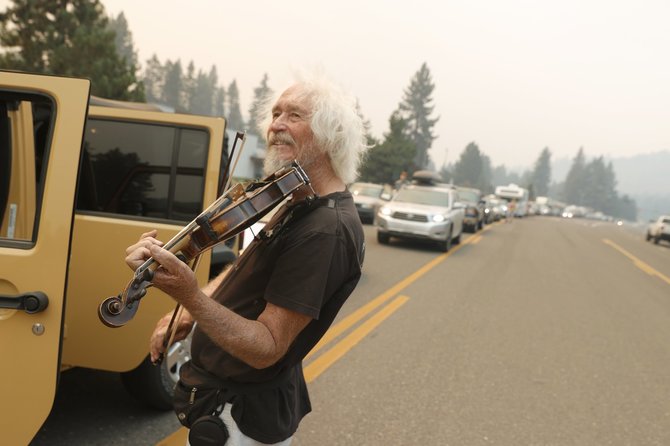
[(123, 40), (575, 181), (416, 109), (384, 162), (173, 86), (541, 175), (220, 102), (154, 80), (70, 38), (188, 85), (235, 120), (203, 94), (262, 93), (473, 169)]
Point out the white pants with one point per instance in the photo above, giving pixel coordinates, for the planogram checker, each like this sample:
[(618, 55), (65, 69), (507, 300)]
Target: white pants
[(237, 438)]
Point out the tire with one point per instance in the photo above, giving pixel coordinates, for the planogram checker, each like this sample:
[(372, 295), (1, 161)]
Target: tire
[(153, 385), (656, 240), (457, 240), (446, 244), (648, 236), (383, 238)]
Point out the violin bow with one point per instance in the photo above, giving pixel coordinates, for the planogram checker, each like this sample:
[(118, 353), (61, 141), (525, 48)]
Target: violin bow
[(171, 330)]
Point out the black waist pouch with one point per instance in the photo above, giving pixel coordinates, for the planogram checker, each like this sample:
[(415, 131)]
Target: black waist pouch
[(198, 407), (191, 402)]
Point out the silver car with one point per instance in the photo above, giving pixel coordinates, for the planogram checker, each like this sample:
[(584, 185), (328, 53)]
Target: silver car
[(422, 212), (368, 197)]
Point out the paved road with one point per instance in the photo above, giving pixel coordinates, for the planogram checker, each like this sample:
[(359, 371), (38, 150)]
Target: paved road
[(538, 332)]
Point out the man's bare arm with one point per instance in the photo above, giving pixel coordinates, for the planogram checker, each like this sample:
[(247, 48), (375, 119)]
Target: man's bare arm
[(259, 343)]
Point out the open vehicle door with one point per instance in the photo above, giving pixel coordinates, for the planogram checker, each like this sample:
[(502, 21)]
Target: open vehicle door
[(41, 125)]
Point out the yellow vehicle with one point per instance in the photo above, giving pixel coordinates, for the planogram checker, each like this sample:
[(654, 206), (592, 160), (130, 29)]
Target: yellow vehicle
[(79, 183)]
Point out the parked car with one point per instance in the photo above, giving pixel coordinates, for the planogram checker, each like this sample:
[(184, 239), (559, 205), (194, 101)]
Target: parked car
[(494, 209), (422, 212), (659, 229), (368, 197), (474, 207)]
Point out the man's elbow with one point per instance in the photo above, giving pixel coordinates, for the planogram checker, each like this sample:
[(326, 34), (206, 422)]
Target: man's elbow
[(264, 361)]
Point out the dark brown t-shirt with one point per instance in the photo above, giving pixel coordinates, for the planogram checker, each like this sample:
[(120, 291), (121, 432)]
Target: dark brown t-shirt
[(310, 264)]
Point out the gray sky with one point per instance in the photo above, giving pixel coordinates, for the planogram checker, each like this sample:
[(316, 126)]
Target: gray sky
[(515, 76)]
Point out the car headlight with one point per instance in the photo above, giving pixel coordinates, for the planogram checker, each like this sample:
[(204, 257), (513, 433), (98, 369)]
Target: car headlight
[(439, 218), (385, 211)]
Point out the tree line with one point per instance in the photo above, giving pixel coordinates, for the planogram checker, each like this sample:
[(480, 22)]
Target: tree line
[(77, 38)]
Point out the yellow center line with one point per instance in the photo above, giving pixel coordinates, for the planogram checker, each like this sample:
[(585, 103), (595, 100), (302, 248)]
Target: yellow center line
[(363, 311), (637, 262), (320, 364), (476, 239)]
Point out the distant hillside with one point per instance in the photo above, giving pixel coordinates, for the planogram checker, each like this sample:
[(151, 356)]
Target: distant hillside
[(645, 177)]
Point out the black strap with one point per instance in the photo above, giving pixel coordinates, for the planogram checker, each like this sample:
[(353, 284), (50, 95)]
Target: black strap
[(231, 388)]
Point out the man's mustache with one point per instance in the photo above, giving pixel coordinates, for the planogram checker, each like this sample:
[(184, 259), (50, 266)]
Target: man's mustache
[(281, 138)]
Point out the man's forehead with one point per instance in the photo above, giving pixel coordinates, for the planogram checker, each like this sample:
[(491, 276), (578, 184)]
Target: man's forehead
[(294, 98)]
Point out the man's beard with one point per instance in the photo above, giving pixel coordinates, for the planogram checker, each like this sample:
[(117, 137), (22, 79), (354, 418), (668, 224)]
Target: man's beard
[(273, 161)]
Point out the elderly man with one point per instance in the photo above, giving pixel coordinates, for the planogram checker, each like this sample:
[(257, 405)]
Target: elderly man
[(256, 322)]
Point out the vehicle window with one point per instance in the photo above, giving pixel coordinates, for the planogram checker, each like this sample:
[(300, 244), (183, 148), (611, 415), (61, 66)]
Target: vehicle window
[(368, 191), (190, 174), (666, 220), (25, 135), (428, 197), (129, 169)]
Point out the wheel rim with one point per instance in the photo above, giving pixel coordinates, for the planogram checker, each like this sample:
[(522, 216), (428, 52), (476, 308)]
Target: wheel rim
[(178, 355)]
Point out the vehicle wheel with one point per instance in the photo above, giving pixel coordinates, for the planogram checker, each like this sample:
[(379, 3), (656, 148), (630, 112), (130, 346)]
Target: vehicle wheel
[(656, 240), (383, 238), (153, 385), (446, 244), (456, 240), (648, 236)]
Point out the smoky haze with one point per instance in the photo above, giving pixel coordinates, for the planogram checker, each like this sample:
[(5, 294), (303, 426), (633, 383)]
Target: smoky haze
[(513, 76)]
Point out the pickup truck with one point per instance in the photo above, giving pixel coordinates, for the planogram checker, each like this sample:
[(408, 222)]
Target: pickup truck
[(79, 183), (659, 229)]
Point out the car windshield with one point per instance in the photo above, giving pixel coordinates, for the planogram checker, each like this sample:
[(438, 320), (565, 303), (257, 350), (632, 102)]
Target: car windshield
[(419, 196), (469, 196), (367, 190)]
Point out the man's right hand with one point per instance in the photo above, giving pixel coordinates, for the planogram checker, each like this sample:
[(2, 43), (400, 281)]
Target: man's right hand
[(156, 344)]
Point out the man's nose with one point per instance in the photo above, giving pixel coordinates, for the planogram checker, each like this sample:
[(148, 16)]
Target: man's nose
[(279, 123)]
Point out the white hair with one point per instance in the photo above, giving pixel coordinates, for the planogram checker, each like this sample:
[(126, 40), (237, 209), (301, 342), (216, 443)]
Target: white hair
[(335, 121)]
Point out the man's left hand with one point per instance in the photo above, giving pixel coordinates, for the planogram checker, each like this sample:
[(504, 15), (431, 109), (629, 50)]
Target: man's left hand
[(174, 277)]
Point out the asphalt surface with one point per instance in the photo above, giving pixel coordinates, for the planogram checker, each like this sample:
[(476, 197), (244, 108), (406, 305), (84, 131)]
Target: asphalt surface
[(538, 332)]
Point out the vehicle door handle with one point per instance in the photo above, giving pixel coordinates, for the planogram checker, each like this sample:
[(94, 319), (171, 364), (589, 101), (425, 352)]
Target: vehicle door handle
[(32, 302)]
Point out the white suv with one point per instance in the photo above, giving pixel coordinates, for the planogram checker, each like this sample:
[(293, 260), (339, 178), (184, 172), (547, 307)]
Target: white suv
[(422, 212), (659, 229)]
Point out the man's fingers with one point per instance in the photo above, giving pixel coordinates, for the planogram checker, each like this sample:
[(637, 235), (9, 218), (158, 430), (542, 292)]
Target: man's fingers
[(165, 258), (152, 233)]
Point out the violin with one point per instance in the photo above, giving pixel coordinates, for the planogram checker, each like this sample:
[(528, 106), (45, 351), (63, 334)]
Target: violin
[(231, 213)]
